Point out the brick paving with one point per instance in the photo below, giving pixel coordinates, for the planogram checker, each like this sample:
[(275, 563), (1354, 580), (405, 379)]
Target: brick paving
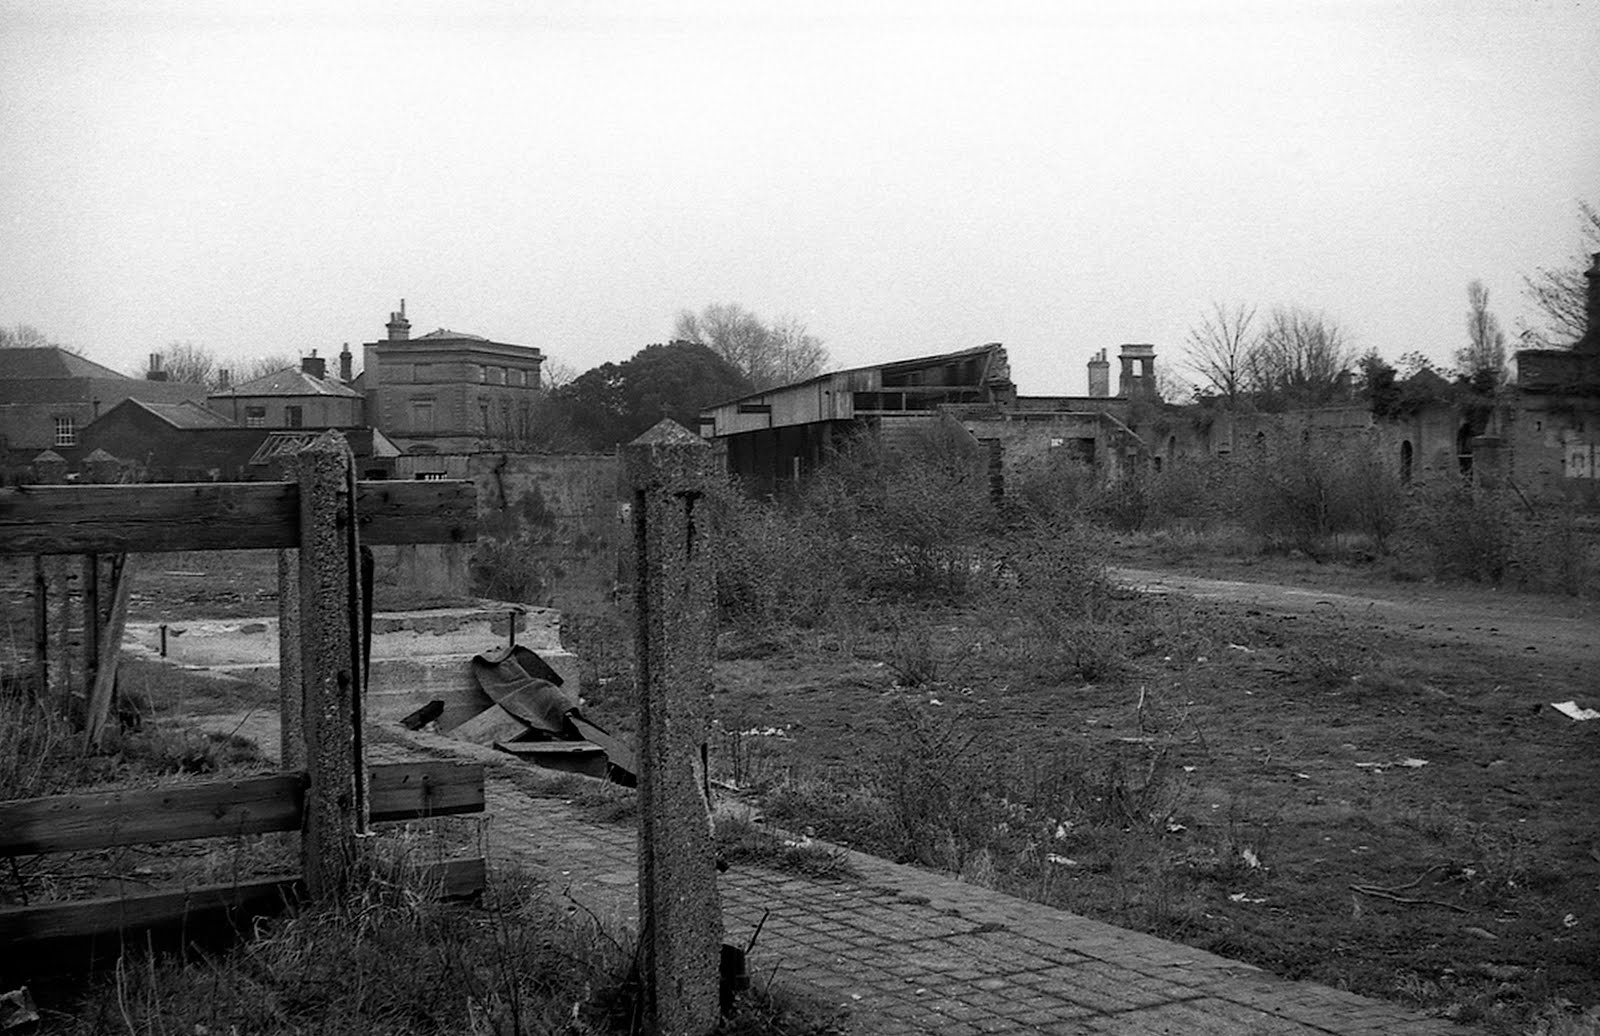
[(907, 951)]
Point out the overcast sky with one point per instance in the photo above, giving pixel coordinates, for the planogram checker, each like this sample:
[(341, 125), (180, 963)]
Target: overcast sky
[(904, 177)]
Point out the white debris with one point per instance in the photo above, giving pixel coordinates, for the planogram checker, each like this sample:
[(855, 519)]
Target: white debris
[(1572, 710)]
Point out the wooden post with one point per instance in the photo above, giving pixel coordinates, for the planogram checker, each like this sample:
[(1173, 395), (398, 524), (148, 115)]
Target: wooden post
[(336, 811), (41, 628), (680, 916), (91, 619)]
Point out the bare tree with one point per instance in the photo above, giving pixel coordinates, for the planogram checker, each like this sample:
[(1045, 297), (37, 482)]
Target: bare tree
[(260, 366), (189, 363), (25, 336), (1483, 358), (1220, 347), (767, 355), (1559, 292), (1298, 358)]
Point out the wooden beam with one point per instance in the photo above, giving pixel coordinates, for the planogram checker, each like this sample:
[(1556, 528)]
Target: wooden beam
[(449, 878), (223, 809), (163, 517), (409, 791), (98, 820)]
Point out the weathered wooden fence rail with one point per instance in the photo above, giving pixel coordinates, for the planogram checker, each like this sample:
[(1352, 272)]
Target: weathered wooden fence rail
[(214, 809), (159, 518), (321, 520)]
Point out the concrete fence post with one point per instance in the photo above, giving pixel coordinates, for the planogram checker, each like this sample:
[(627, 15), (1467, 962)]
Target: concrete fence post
[(291, 695), (680, 916), (336, 805)]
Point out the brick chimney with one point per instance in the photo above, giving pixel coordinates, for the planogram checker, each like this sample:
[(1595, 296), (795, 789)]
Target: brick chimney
[(224, 379), (399, 327), (1100, 376), (1590, 342), (345, 364), (156, 373), (314, 365)]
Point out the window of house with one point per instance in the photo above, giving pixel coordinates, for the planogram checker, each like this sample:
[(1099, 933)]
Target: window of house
[(293, 417), (483, 372), (422, 415), (483, 413), (255, 417), (66, 431), (432, 476)]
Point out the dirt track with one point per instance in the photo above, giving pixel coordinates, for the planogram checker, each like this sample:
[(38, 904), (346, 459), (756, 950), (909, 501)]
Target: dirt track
[(1549, 631)]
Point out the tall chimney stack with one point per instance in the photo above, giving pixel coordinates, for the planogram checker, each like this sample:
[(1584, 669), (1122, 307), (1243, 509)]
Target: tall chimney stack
[(1100, 376), (1138, 371), (156, 373), (1590, 342), (399, 326), (345, 364)]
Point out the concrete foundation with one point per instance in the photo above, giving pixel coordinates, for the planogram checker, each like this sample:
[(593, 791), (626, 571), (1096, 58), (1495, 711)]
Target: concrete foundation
[(416, 656)]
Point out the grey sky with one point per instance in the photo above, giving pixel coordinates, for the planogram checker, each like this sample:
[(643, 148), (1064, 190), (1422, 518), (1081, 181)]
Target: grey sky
[(906, 178)]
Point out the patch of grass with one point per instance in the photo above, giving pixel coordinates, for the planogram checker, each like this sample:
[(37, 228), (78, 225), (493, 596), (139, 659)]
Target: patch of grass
[(742, 841), (152, 689), (394, 960)]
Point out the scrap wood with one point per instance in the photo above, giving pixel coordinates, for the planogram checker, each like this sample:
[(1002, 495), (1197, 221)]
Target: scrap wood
[(105, 679), (531, 705)]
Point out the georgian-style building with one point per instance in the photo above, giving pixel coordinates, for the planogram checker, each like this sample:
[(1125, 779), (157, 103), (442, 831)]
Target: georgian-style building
[(447, 391)]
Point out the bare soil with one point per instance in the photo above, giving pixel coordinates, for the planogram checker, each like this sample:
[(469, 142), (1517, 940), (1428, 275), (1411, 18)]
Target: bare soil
[(1366, 786)]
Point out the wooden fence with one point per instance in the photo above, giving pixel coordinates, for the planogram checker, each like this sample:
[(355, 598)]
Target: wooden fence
[(319, 521)]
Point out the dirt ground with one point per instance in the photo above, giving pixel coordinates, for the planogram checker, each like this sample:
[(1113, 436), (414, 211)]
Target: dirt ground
[(1359, 783), (1366, 786)]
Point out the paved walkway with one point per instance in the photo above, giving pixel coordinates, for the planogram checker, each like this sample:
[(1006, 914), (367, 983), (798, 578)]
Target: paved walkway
[(907, 951)]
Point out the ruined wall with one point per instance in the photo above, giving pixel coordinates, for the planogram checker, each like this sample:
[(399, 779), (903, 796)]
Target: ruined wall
[(1554, 443), (547, 534)]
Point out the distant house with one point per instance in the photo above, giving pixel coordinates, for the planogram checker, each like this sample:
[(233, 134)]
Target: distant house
[(293, 398), (447, 391), (189, 443), (49, 395)]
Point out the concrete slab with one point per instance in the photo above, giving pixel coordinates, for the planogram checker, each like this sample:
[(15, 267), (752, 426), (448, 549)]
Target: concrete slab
[(416, 656)]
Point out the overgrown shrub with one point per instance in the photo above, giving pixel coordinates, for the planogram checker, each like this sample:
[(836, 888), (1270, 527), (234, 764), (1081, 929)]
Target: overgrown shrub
[(510, 569), (1459, 530)]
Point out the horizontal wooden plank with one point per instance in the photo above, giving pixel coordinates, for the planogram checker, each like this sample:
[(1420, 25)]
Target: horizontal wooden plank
[(161, 517), (543, 748), (99, 820), (222, 809), (449, 878), (408, 791)]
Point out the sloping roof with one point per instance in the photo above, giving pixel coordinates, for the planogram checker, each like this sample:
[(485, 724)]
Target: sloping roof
[(291, 381), (447, 333), (51, 362), (364, 442), (891, 366), (181, 415)]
